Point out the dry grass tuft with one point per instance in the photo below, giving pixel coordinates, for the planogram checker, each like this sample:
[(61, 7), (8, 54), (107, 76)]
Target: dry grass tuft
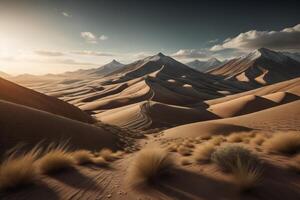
[(286, 143), (172, 148), (186, 161), (56, 159), (184, 151), (82, 157), (101, 162), (148, 166), (107, 154), (227, 156), (17, 171), (258, 140), (203, 152), (246, 176), (244, 166), (217, 140), (235, 138)]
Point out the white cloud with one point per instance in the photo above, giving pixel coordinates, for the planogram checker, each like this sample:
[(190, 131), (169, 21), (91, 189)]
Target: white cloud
[(66, 14), (89, 37), (103, 37), (213, 41), (49, 53), (286, 39), (190, 53), (92, 38), (139, 55), (92, 53)]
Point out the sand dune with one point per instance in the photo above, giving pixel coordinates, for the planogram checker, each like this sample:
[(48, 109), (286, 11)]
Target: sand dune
[(284, 117), (240, 106), (290, 86), (20, 95), (150, 114), (21, 124), (260, 67)]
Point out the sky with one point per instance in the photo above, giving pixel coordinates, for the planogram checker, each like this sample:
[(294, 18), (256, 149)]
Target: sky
[(54, 36)]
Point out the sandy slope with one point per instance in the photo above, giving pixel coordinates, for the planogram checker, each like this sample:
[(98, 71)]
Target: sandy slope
[(25, 125), (151, 114), (284, 117), (290, 86), (20, 95), (260, 67)]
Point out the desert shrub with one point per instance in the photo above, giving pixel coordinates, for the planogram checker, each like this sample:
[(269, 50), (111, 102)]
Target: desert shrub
[(18, 170), (246, 175), (148, 166), (228, 156), (235, 137), (56, 159), (244, 166), (82, 157), (286, 143), (203, 152)]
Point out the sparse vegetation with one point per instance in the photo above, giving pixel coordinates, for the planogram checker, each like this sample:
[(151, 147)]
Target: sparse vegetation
[(203, 152), (56, 158), (185, 151), (82, 157), (217, 140), (244, 166), (107, 154), (246, 175), (148, 166), (101, 162), (185, 161), (19, 170), (258, 140), (286, 143), (228, 156), (235, 138)]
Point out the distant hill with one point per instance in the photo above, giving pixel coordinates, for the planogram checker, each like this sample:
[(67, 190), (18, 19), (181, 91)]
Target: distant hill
[(203, 66), (260, 67)]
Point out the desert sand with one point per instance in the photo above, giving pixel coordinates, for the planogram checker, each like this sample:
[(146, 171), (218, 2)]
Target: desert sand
[(157, 103)]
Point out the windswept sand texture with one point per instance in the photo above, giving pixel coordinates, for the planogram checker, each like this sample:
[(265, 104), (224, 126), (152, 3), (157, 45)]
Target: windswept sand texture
[(17, 94), (28, 126)]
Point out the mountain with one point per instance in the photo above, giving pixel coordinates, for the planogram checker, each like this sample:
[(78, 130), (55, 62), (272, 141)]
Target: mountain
[(203, 66), (295, 55), (98, 72), (260, 67), (133, 96)]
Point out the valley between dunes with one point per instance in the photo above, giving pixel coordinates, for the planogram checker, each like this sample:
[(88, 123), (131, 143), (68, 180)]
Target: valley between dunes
[(157, 103)]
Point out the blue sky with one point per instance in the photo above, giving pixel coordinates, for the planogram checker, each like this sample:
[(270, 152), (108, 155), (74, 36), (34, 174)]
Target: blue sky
[(53, 36)]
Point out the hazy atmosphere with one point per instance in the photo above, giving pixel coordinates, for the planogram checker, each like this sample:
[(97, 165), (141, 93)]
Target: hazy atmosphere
[(40, 36), (149, 100)]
